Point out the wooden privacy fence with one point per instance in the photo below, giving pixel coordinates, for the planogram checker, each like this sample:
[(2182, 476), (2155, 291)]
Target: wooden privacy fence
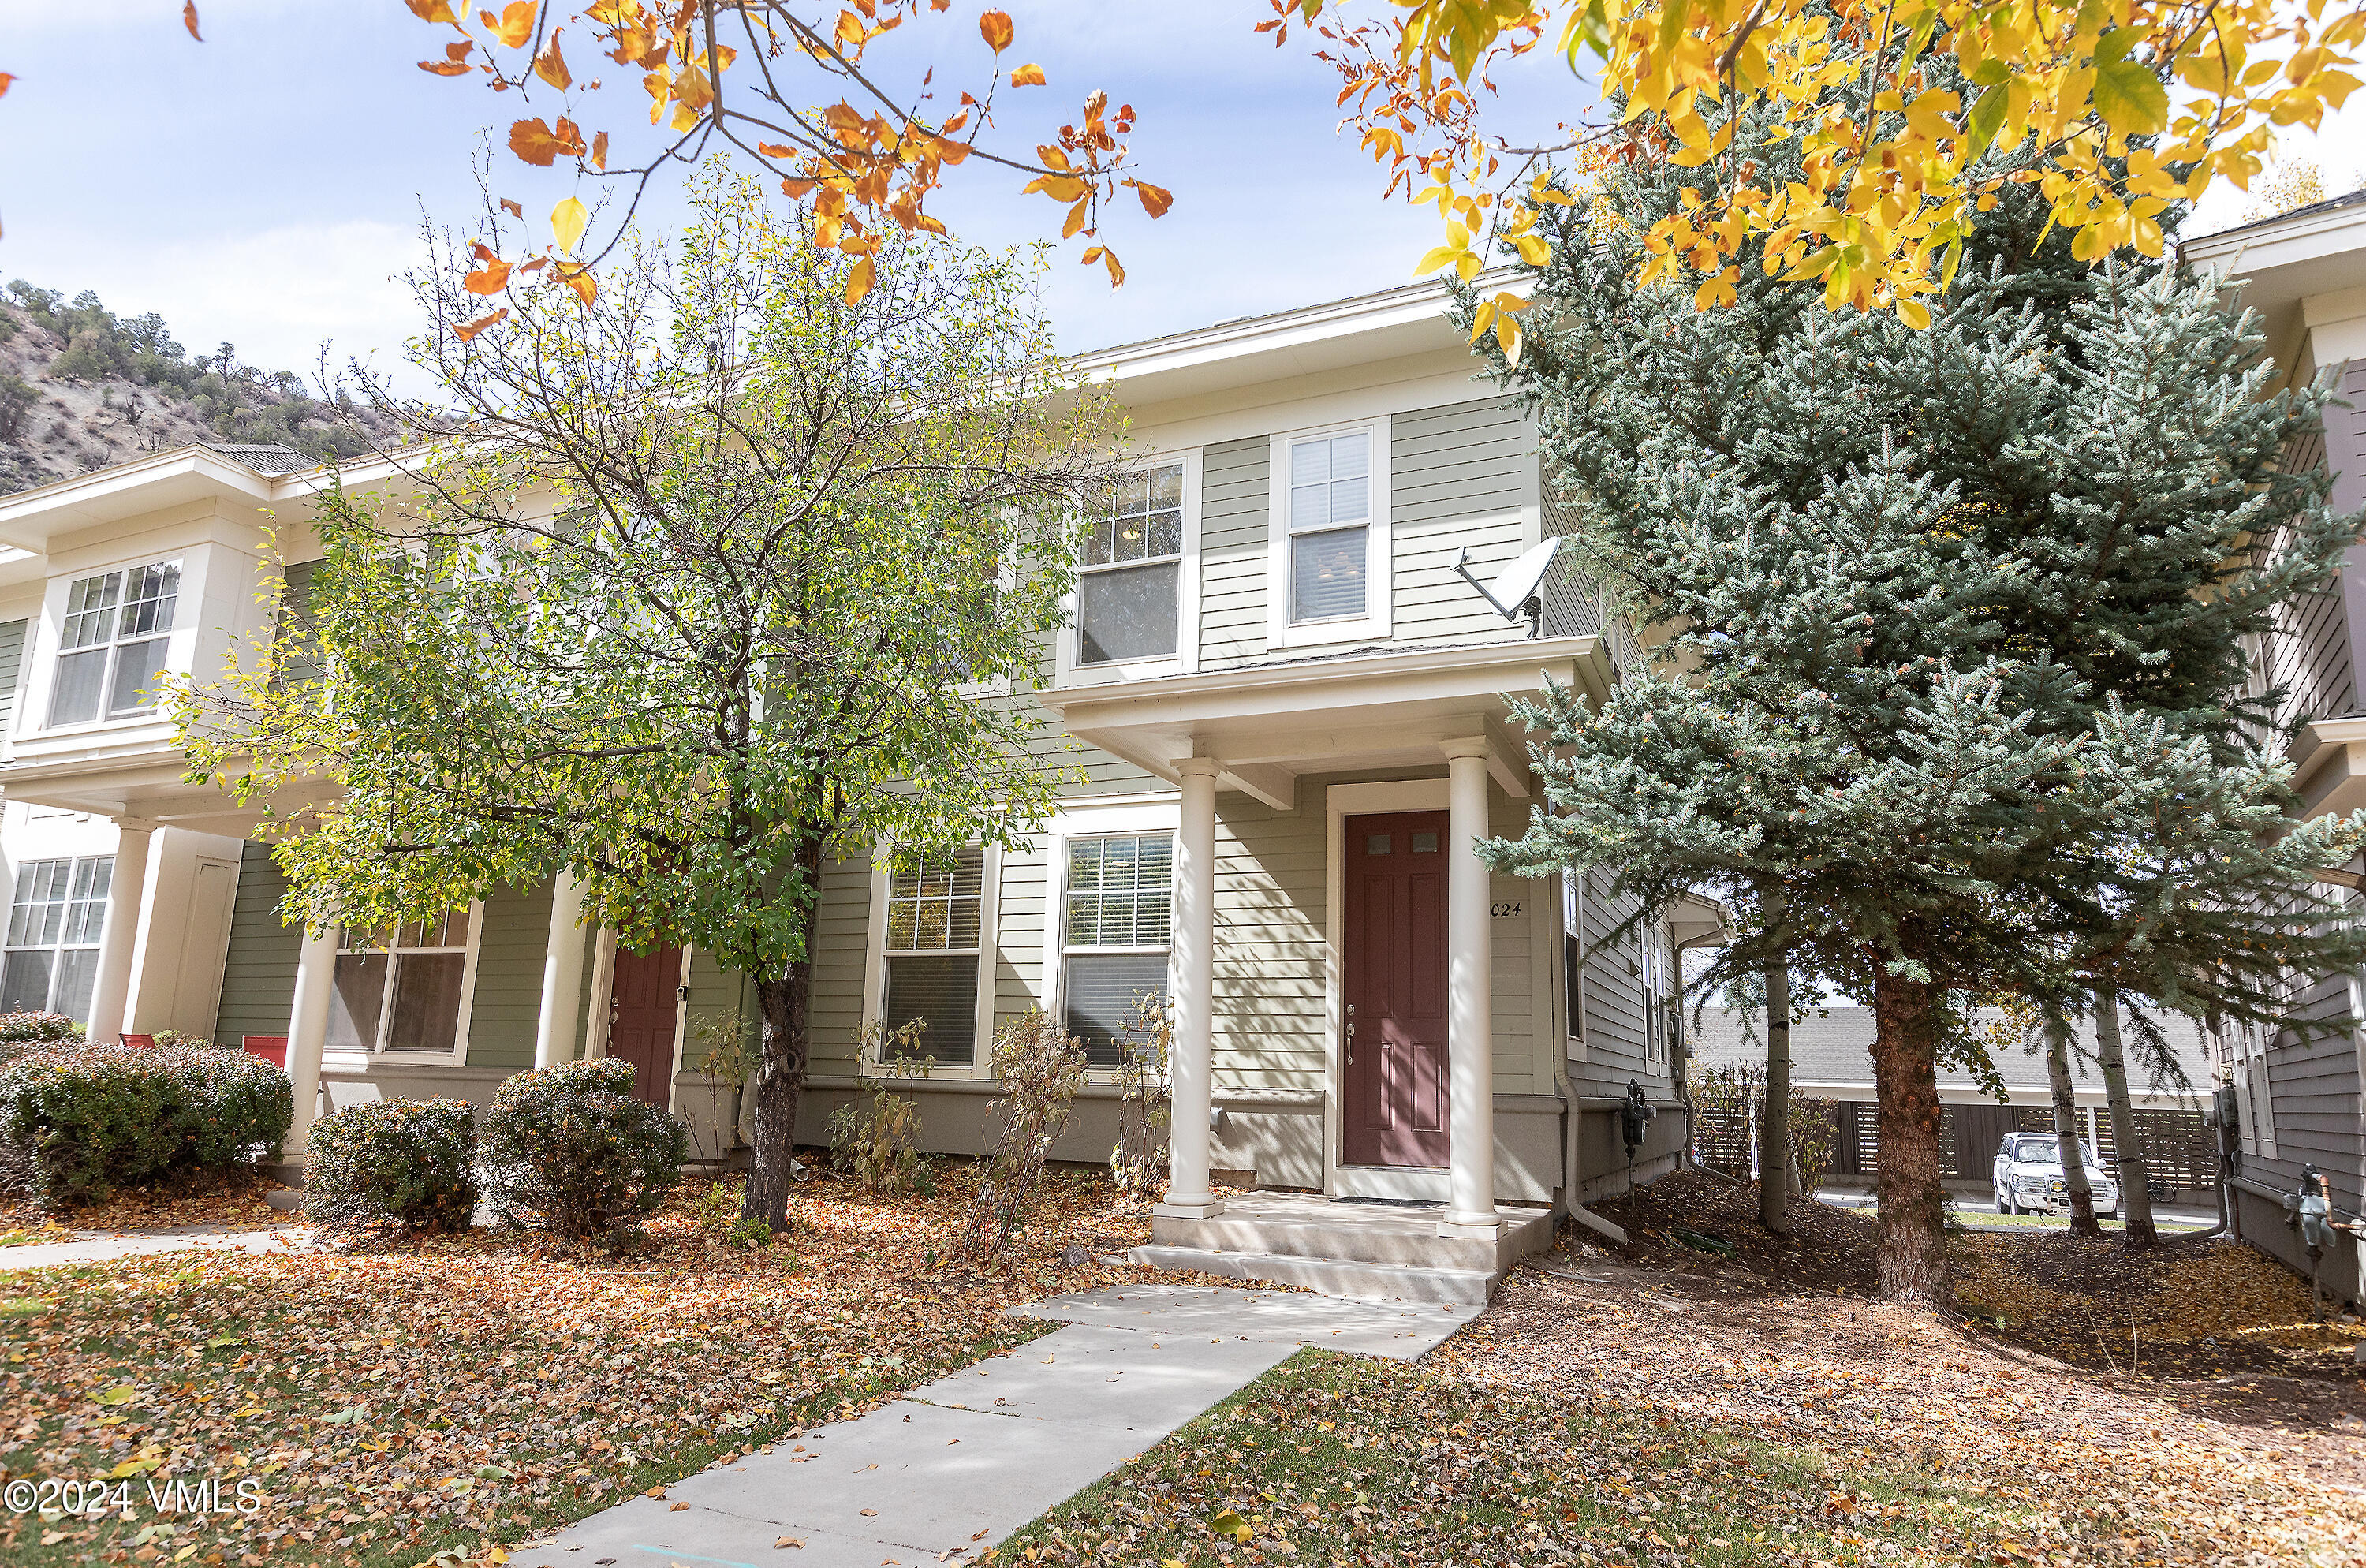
[(2177, 1148)]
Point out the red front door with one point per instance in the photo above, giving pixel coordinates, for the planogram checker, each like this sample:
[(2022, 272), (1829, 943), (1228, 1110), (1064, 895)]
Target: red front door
[(1396, 990), (642, 1006)]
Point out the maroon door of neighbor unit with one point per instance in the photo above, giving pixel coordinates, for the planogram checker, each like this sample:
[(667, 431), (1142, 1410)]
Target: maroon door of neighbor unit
[(642, 1007), (1396, 919)]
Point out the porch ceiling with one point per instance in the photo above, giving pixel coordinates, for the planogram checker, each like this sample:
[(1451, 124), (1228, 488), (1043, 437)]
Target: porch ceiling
[(147, 786), (1269, 724)]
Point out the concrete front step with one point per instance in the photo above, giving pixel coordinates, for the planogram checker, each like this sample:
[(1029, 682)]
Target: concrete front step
[(1330, 1276), (1313, 1228)]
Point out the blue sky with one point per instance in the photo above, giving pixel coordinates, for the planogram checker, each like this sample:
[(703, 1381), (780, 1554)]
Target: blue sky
[(259, 188)]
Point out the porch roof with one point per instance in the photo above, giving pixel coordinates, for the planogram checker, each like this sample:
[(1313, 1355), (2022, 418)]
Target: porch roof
[(1267, 724)]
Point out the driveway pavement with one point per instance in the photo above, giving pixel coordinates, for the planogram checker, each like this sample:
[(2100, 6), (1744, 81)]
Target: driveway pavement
[(953, 1467), (92, 1247)]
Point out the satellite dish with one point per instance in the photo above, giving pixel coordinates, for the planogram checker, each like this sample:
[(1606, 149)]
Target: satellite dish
[(1515, 592)]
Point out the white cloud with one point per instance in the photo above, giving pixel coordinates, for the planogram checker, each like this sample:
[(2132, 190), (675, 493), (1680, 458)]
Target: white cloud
[(276, 294)]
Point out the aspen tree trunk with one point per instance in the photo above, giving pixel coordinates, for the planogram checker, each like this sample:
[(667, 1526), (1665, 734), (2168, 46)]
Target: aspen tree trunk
[(1910, 1227), (1774, 1121), (2065, 1132), (2135, 1199)]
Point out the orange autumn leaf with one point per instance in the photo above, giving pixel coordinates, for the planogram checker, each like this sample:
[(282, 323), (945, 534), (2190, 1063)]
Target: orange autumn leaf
[(468, 330), (1155, 199), (513, 25), (1108, 258), (1027, 76), (511, 208), (577, 276), (534, 143), (993, 27), (454, 62), (858, 281), (189, 20), (6, 77), (551, 66), (1076, 214), (432, 11), (490, 279), (600, 151)]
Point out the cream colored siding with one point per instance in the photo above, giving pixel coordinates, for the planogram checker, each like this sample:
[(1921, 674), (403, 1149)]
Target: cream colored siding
[(1232, 546), (12, 669), (1272, 1026), (1088, 769), (1457, 477)]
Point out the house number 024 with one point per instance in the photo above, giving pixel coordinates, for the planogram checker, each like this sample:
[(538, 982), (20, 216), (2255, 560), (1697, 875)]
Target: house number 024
[(1501, 909)]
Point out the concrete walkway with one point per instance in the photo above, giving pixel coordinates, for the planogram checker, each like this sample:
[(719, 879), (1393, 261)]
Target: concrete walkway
[(97, 1247), (954, 1466)]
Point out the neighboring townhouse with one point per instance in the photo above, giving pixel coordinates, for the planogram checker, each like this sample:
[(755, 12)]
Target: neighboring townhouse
[(1832, 1059), (2298, 1094), (1288, 713)]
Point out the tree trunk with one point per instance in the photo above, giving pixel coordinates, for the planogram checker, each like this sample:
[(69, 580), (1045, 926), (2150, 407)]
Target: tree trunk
[(2065, 1132), (786, 1003), (1775, 1124), (2136, 1197), (1911, 1223)]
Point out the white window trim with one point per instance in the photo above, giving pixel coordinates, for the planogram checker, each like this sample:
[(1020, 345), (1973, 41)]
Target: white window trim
[(874, 969), (37, 695), (1379, 552), (360, 1061), (1078, 822), (57, 950), (1070, 670)]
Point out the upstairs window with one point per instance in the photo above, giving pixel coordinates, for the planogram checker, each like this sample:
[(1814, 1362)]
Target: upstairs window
[(401, 990), (1120, 923), (55, 921), (111, 645), (1330, 526), (1129, 570), (935, 912)]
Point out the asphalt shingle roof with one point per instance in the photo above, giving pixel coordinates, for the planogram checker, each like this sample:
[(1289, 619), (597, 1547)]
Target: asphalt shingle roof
[(272, 459)]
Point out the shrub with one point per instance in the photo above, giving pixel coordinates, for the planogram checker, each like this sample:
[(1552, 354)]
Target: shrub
[(1042, 1066), (876, 1136), (91, 1119), (396, 1167), (1145, 1104), (569, 1147), (21, 1030)]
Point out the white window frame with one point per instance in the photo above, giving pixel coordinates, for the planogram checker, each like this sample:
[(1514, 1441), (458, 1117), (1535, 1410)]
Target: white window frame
[(460, 1052), (2256, 1089), (61, 947), (1070, 667), (875, 968), (53, 664), (1379, 553), (1078, 820)]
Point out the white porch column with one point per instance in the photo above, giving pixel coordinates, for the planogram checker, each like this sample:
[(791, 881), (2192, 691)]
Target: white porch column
[(562, 976), (307, 1029), (1469, 1020), (112, 991), (1188, 1196)]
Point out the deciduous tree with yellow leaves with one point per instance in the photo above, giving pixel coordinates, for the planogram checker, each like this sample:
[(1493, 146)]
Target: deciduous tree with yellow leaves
[(2111, 108)]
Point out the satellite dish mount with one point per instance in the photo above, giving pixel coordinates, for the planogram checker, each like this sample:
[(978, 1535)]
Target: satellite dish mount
[(1514, 593)]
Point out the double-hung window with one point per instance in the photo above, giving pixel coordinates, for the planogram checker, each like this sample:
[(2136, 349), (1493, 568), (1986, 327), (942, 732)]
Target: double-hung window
[(401, 989), (935, 913), (1117, 931), (1129, 570), (54, 924), (1327, 571), (111, 644)]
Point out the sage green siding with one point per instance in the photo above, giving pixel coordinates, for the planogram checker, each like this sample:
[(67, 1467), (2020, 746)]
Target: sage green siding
[(1457, 477), (1233, 547), (842, 934), (11, 669), (259, 972), (1018, 931), (297, 643), (512, 936)]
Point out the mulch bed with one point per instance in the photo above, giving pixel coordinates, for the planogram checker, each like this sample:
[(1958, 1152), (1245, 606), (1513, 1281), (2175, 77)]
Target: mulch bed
[(452, 1395)]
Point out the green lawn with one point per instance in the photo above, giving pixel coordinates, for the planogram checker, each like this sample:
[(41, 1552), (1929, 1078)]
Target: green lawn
[(1334, 1460)]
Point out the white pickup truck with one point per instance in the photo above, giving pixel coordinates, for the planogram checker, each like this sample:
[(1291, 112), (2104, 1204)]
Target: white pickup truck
[(2028, 1177)]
